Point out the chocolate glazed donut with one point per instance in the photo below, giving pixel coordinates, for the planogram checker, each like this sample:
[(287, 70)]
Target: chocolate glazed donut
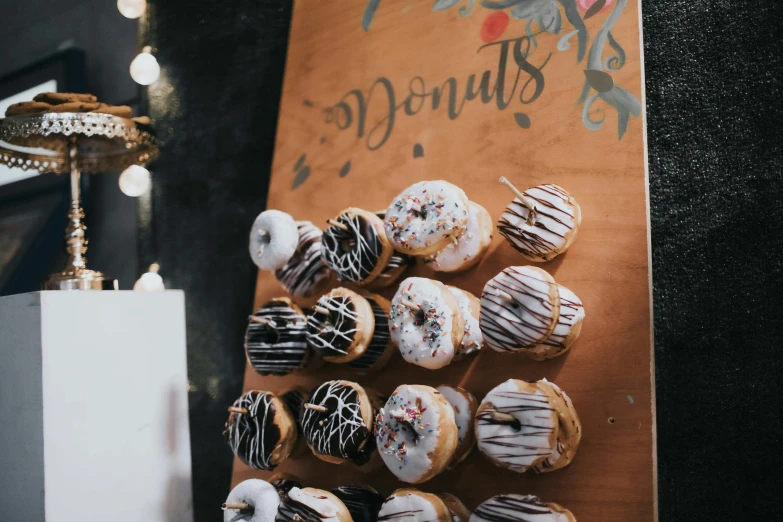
[(340, 431), (254, 436), (355, 246), (362, 502)]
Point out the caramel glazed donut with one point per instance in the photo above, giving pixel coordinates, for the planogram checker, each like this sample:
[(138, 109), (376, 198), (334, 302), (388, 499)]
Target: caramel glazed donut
[(355, 246), (525, 426), (520, 508), (412, 505)]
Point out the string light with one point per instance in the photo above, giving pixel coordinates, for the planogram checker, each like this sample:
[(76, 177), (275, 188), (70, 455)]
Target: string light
[(151, 281), (144, 69), (132, 8), (135, 181)]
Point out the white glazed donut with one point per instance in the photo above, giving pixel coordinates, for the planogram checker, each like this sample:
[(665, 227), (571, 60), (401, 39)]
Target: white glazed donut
[(465, 406), (567, 329), (273, 239), (416, 433), (520, 508), (412, 505), (519, 308), (261, 498), (550, 229), (426, 324), (469, 306), (469, 247), (518, 425), (425, 216)]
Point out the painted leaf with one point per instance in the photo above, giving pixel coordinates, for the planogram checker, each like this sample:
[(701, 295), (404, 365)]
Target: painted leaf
[(440, 5), (345, 169), (593, 9), (300, 162), (301, 177), (529, 9), (549, 18), (500, 4), (523, 120), (418, 151), (599, 80), (369, 13)]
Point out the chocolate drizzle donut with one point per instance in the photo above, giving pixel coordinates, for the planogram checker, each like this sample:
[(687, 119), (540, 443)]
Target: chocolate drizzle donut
[(341, 431), (362, 502), (254, 436), (397, 264), (519, 308), (545, 231), (275, 340), (379, 344), (355, 248), (311, 505), (294, 400), (520, 508), (305, 273), (340, 326)]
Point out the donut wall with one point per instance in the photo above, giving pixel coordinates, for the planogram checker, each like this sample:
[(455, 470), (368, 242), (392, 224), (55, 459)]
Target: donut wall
[(379, 95)]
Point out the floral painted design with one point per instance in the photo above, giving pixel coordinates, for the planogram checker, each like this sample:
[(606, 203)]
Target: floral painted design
[(547, 16)]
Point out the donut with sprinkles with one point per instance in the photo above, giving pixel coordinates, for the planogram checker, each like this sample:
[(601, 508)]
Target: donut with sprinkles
[(425, 217)]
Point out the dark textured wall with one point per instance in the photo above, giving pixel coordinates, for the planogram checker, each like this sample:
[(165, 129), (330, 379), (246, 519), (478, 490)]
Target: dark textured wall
[(715, 181), (713, 73), (215, 108)]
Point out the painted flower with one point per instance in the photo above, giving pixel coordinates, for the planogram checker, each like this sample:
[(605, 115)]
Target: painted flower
[(584, 5)]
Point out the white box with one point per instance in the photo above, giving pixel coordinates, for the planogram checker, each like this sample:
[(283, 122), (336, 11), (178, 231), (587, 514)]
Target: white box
[(93, 408)]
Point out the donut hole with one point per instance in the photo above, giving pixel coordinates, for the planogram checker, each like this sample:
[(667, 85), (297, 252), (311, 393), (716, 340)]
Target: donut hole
[(347, 244)]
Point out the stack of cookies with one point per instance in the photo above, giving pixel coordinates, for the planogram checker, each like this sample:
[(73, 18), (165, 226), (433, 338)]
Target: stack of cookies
[(57, 102)]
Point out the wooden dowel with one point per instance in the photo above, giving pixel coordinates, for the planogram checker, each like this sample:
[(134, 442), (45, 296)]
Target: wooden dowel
[(260, 320), (502, 417), (469, 372), (237, 507), (315, 407), (335, 223), (321, 310), (234, 409), (525, 200), (154, 267), (412, 306)]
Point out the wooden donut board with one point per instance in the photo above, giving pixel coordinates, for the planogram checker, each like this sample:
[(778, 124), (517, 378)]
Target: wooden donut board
[(332, 153)]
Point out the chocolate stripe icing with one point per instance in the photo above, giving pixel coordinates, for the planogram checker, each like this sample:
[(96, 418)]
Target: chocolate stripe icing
[(380, 339), (515, 508), (306, 269), (363, 503), (280, 346)]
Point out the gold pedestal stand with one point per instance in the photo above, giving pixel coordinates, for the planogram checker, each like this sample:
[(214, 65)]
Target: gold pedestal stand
[(73, 143)]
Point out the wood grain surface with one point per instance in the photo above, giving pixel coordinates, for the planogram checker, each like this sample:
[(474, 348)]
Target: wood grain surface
[(325, 160)]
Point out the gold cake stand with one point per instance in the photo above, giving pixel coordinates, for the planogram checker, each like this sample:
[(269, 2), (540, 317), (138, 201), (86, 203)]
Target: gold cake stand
[(74, 143)]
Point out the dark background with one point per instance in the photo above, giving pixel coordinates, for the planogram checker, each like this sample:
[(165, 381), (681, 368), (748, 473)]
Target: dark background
[(712, 71)]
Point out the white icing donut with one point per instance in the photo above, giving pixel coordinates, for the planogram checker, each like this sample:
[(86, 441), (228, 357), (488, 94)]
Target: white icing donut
[(273, 239), (463, 413), (520, 508), (411, 505), (423, 218), (567, 329), (416, 433), (524, 441), (519, 308), (425, 322), (469, 306), (549, 231), (261, 497), (469, 247)]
